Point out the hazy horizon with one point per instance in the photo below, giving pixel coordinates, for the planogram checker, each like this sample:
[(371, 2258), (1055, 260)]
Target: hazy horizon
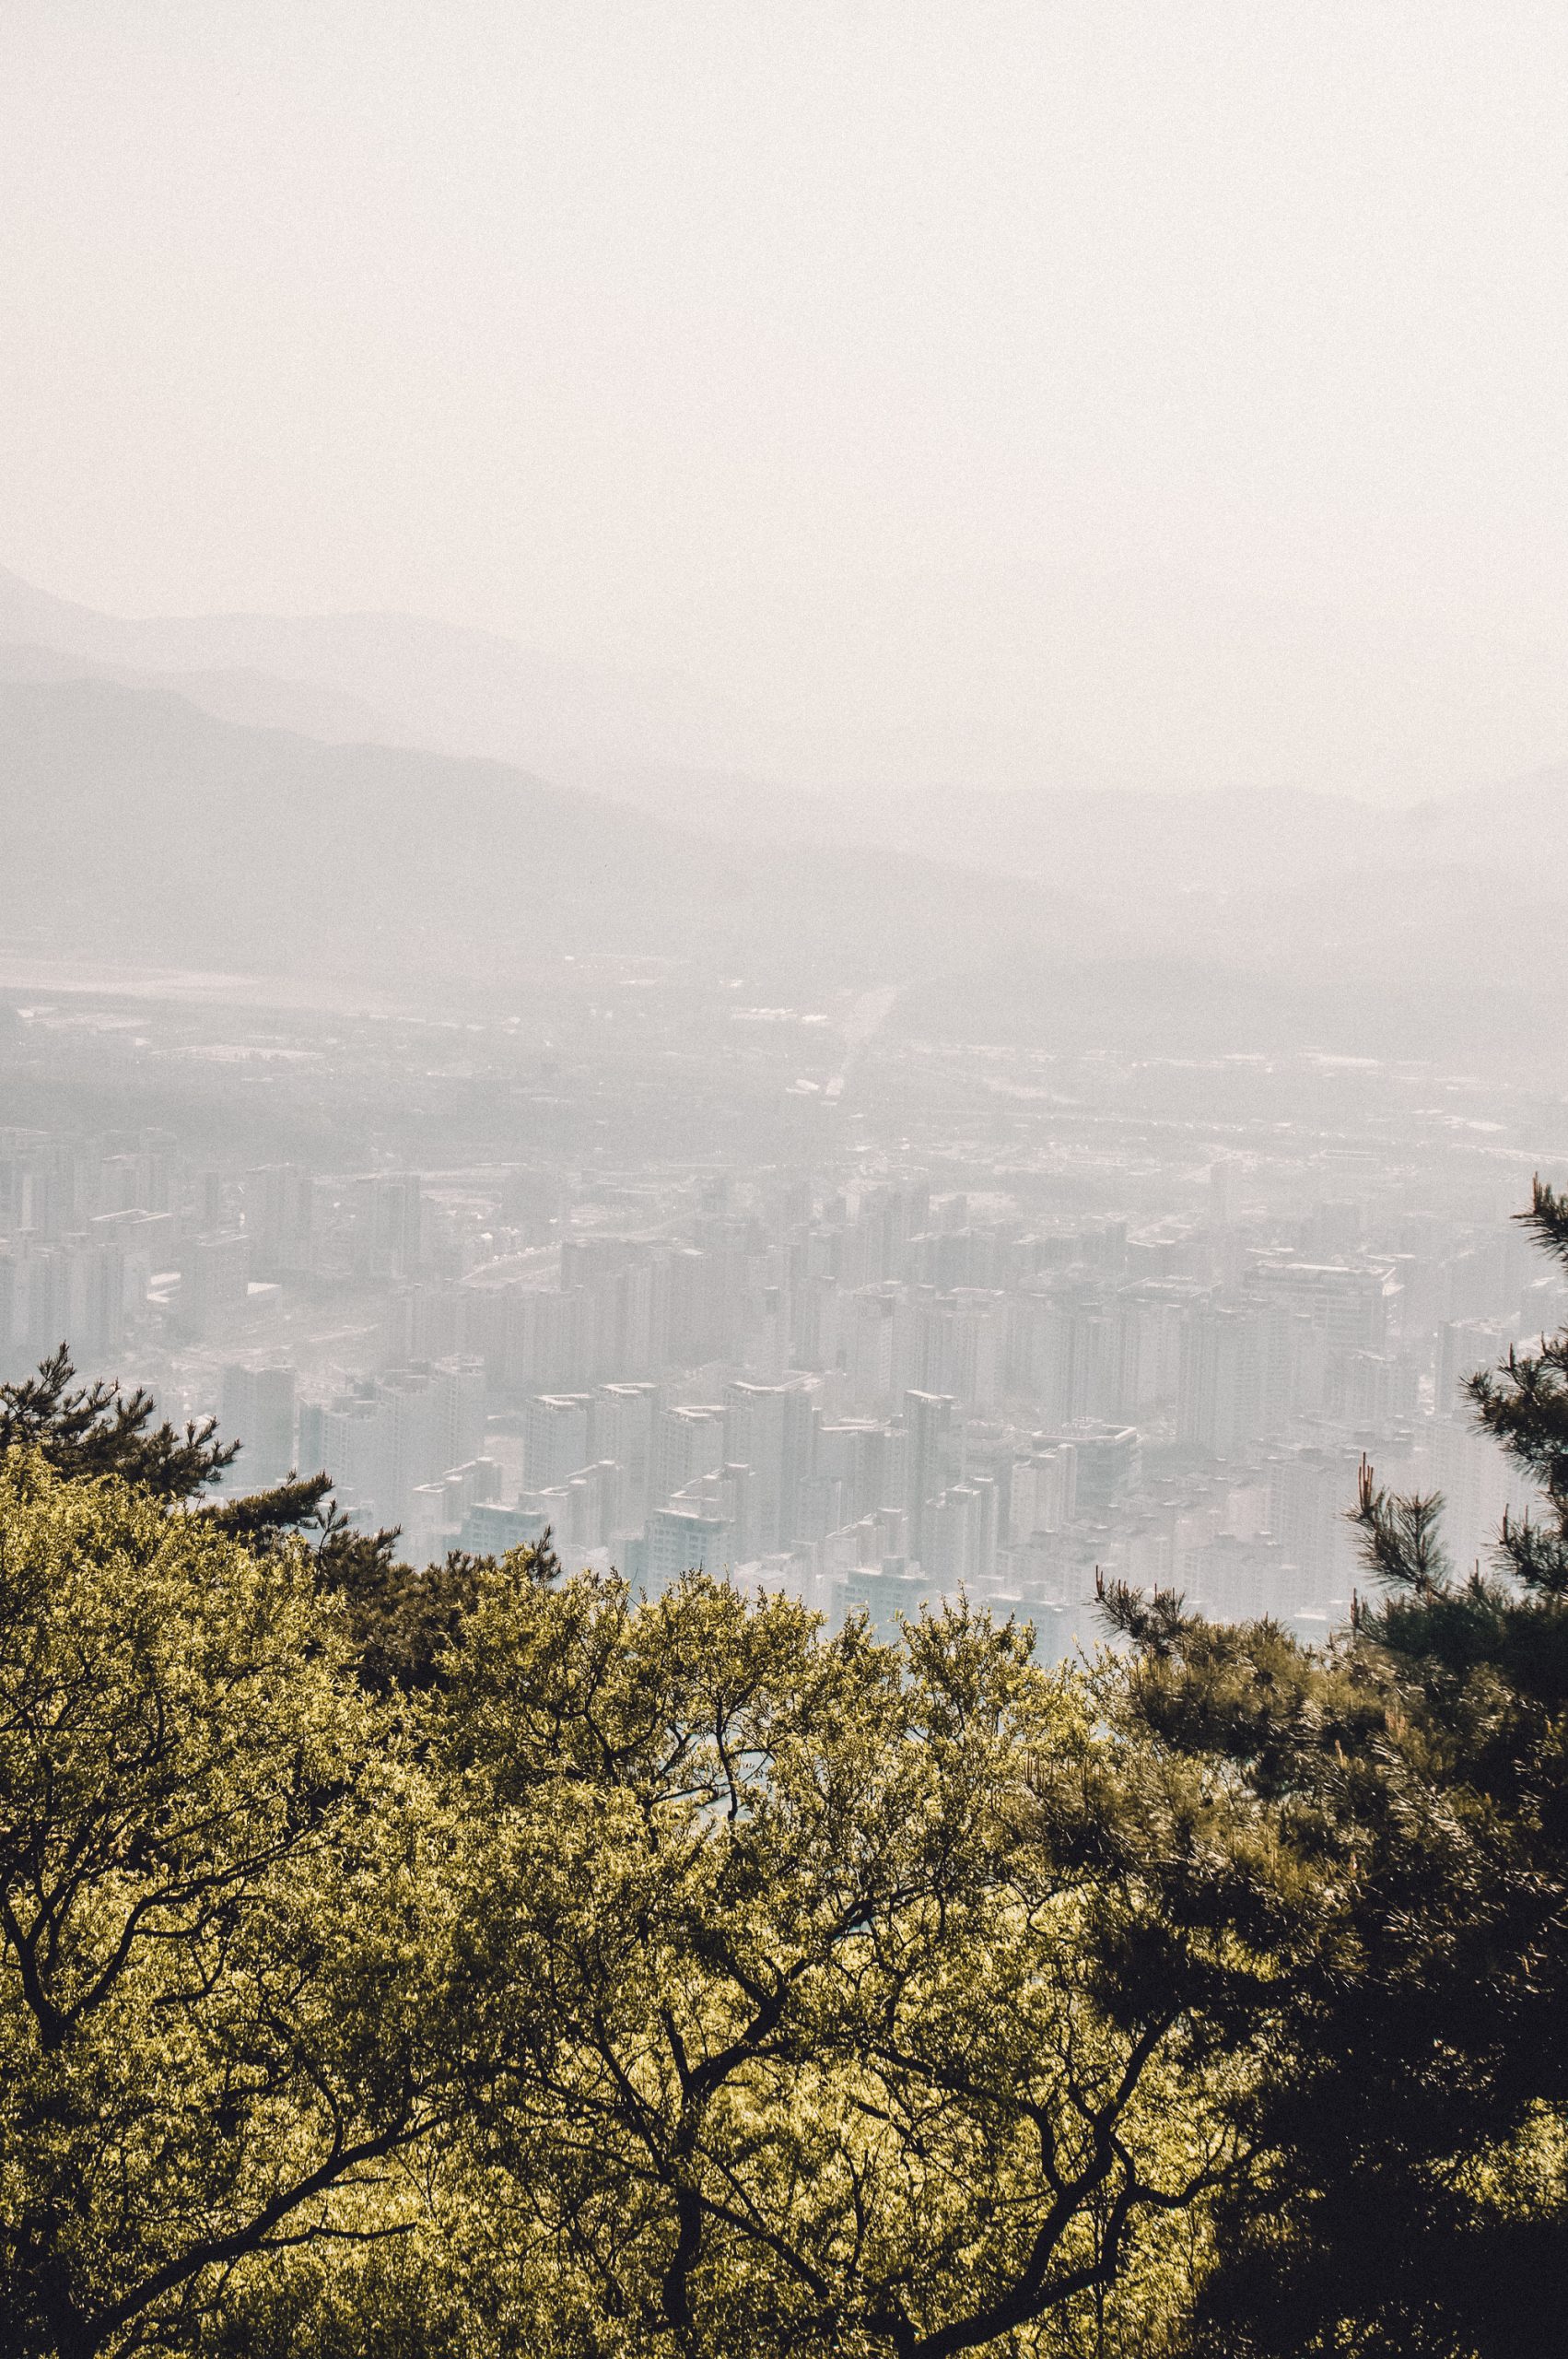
[(889, 397), (661, 727)]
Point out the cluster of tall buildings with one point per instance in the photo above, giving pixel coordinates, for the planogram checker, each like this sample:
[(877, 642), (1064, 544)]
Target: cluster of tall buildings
[(98, 1233), (84, 1229), (860, 1391), (869, 1400)]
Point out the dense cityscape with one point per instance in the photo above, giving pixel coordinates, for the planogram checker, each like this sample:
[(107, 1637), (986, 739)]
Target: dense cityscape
[(829, 1309), (783, 1182)]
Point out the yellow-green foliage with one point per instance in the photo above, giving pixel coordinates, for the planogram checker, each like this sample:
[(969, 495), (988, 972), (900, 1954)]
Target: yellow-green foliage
[(782, 2012), (670, 1977), (213, 1904), (488, 1963)]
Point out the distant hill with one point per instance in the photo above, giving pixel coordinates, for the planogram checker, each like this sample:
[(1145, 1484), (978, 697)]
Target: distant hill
[(253, 699), (137, 827), (400, 679), (320, 796), (413, 681)]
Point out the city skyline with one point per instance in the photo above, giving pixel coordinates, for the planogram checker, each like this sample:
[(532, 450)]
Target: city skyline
[(988, 1322)]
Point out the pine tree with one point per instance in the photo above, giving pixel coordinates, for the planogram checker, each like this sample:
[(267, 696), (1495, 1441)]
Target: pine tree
[(86, 1430), (1412, 2131), (402, 1617)]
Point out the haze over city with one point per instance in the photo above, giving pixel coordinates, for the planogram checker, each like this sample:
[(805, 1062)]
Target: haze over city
[(932, 645), (783, 1179)]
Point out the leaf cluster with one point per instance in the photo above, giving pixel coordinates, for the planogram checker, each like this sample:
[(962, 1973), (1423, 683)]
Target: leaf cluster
[(778, 1988)]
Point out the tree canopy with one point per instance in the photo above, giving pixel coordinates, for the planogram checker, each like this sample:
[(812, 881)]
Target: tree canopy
[(484, 1958), (1410, 2189), (215, 1921)]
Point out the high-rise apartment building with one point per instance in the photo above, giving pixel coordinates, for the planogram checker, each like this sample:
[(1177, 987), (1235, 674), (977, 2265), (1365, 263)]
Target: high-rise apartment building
[(554, 1439), (933, 1461), (388, 1435), (685, 1539), (767, 1427), (622, 1421), (214, 1282), (688, 1442), (256, 1409)]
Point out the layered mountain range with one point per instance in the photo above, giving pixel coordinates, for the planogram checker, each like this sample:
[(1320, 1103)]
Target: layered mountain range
[(380, 797)]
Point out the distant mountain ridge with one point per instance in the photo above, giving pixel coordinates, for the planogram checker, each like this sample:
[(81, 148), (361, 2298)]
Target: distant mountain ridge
[(250, 699), (233, 790), (137, 827), (413, 682), (397, 679)]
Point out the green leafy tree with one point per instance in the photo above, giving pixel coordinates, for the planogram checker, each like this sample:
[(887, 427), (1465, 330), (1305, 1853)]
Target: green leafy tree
[(404, 1623), (219, 1903), (783, 2028)]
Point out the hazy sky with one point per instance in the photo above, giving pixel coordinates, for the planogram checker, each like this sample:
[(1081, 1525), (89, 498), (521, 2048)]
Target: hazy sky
[(1169, 391)]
